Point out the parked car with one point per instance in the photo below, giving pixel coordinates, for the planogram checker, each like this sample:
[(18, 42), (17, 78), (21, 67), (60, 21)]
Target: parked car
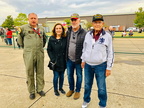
[(132, 29)]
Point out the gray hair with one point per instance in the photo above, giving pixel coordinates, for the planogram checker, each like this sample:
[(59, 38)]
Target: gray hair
[(32, 13)]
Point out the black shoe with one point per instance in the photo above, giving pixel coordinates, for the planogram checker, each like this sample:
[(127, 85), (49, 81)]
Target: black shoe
[(41, 93), (56, 92), (32, 96), (62, 91)]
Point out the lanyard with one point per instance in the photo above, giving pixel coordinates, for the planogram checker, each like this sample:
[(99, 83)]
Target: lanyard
[(37, 32)]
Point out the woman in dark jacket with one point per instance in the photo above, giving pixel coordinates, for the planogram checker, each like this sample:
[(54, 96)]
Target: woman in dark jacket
[(57, 50)]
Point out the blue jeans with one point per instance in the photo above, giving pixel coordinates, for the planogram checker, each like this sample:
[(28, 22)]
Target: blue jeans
[(9, 41), (70, 72), (99, 72), (58, 76)]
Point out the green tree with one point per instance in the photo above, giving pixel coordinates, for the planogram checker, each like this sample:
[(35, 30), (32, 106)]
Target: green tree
[(8, 22), (21, 20), (139, 21), (68, 22), (88, 25)]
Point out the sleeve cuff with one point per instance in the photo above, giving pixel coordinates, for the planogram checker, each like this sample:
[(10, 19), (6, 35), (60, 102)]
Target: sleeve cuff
[(109, 68), (83, 61)]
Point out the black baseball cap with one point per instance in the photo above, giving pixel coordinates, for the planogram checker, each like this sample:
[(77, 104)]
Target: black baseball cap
[(97, 17)]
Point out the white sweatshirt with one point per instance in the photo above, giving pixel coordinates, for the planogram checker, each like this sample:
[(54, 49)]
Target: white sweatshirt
[(97, 52)]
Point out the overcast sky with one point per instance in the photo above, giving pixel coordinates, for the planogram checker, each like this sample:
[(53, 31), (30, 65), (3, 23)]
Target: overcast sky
[(57, 8)]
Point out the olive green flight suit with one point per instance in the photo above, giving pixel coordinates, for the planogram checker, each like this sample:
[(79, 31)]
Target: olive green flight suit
[(33, 55)]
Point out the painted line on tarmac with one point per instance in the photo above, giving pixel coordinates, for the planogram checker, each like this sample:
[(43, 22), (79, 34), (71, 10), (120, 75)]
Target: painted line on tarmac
[(45, 93), (128, 53), (122, 95), (7, 46), (130, 96), (39, 98), (13, 76), (135, 45), (126, 95), (67, 85)]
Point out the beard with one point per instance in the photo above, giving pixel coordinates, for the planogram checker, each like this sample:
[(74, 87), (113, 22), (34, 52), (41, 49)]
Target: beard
[(75, 26)]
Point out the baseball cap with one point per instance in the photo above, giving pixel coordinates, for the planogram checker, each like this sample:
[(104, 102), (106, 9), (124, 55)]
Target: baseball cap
[(97, 17), (75, 16)]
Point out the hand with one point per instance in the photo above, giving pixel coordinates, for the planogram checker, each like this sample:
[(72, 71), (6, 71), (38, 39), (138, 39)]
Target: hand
[(108, 72), (82, 64)]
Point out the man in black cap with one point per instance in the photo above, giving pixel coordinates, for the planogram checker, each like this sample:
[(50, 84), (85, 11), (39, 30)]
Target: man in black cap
[(75, 39), (97, 60)]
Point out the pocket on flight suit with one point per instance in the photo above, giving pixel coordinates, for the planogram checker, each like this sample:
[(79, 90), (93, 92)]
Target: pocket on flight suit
[(29, 40)]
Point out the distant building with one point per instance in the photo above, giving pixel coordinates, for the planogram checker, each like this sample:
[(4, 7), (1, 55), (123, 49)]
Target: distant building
[(118, 20)]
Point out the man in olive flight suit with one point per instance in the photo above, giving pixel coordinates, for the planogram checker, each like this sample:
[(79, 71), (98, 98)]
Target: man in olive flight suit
[(32, 38)]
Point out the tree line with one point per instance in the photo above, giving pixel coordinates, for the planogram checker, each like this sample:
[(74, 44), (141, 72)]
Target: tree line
[(20, 20), (139, 20)]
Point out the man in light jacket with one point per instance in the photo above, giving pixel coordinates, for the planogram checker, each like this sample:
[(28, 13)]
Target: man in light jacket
[(97, 60)]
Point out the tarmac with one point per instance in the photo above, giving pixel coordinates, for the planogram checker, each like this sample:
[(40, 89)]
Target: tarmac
[(125, 85)]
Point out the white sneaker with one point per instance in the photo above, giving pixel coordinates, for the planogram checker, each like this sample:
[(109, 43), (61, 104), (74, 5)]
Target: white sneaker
[(101, 107), (85, 104)]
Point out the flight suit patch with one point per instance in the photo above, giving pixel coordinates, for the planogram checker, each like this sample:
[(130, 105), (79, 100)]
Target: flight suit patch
[(31, 32), (19, 30)]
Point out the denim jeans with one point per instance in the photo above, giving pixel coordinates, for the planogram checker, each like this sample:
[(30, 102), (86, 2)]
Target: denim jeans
[(71, 66), (58, 76), (9, 41), (99, 72)]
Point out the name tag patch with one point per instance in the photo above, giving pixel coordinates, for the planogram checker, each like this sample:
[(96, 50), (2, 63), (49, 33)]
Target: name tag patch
[(31, 32)]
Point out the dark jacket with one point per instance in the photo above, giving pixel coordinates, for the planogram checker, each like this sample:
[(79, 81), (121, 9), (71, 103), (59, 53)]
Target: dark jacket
[(56, 50), (79, 44)]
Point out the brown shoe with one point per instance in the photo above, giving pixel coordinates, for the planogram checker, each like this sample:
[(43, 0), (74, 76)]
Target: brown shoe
[(76, 95), (69, 93)]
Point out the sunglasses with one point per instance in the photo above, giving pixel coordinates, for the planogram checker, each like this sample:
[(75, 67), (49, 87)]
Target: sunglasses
[(74, 35), (73, 19)]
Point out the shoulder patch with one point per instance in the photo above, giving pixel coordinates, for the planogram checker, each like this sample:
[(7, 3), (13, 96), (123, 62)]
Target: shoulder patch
[(19, 30)]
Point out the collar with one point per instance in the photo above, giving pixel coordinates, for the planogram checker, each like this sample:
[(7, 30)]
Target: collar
[(98, 34), (103, 32), (32, 27)]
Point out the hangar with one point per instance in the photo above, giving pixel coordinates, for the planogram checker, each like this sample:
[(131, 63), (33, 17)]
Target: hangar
[(116, 20)]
